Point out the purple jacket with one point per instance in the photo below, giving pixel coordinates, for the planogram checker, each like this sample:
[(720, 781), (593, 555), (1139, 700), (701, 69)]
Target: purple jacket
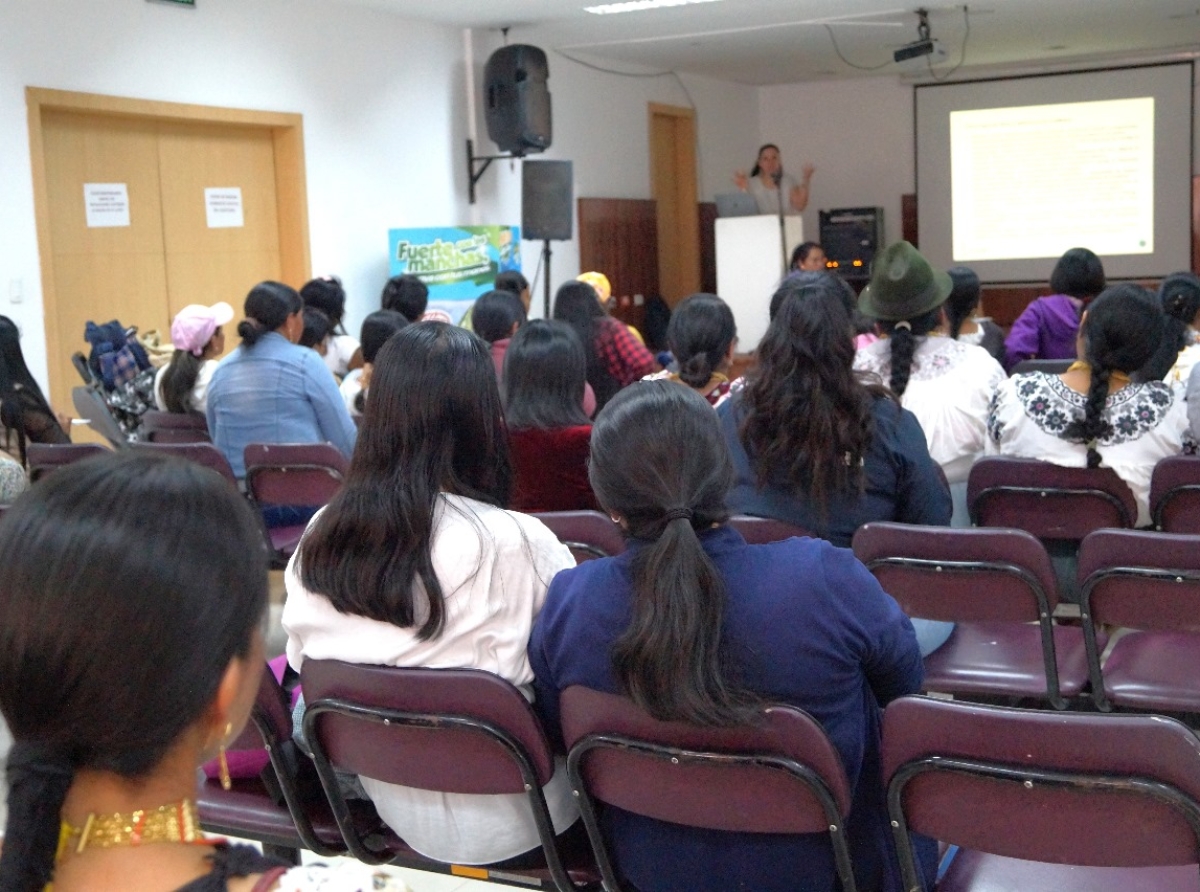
[(1045, 330)]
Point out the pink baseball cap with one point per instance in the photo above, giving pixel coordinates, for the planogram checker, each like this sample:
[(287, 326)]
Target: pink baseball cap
[(195, 325)]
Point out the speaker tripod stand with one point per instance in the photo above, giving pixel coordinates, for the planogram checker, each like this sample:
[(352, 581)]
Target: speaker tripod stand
[(546, 280)]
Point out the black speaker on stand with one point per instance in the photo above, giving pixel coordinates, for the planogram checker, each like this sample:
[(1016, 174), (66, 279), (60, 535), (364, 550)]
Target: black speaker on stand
[(547, 196)]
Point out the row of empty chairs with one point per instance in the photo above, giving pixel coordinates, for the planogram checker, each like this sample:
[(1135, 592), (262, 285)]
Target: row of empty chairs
[(1022, 792)]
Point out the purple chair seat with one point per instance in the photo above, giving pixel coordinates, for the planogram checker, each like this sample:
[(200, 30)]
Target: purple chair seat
[(973, 871), (1155, 671), (249, 811), (1005, 659), (765, 530)]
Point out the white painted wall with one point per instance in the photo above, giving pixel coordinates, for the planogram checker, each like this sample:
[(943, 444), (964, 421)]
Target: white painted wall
[(601, 123), (382, 100)]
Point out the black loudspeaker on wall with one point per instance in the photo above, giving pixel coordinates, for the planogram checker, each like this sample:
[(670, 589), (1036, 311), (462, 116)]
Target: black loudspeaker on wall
[(517, 100), (547, 189)]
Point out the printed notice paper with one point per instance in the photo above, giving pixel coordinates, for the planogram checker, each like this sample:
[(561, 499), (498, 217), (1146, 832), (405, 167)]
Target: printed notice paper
[(224, 207), (106, 204)]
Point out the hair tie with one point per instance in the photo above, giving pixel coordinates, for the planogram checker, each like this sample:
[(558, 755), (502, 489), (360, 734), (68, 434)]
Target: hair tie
[(904, 323), (679, 514)]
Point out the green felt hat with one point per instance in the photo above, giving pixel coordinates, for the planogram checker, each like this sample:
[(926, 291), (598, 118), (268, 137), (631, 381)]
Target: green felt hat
[(903, 285)]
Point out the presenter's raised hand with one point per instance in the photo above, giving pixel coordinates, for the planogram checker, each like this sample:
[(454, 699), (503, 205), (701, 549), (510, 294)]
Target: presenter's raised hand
[(741, 180)]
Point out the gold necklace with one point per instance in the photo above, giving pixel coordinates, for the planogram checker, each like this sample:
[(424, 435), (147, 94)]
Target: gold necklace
[(176, 822)]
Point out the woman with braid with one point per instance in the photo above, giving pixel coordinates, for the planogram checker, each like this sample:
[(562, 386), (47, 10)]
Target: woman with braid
[(702, 337), (1093, 415), (946, 383)]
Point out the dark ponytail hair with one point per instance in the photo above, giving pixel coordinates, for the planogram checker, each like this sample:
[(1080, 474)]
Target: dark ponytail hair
[(130, 582), (1179, 295), (178, 379), (659, 461), (268, 306), (963, 299), (902, 339), (699, 334), (1123, 328)]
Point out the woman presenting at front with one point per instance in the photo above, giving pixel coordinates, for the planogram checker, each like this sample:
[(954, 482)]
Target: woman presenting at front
[(767, 178)]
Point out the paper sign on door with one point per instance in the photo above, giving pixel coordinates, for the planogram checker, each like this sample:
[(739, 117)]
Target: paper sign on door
[(224, 207), (106, 204)]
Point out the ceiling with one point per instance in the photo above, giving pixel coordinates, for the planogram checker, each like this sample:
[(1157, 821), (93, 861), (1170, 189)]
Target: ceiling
[(787, 41)]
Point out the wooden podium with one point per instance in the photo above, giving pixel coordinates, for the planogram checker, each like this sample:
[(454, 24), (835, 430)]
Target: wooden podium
[(750, 265)]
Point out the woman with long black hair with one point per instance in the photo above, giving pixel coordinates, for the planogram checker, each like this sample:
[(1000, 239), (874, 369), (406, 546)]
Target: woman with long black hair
[(23, 408), (1094, 414), (197, 335), (416, 562), (696, 626)]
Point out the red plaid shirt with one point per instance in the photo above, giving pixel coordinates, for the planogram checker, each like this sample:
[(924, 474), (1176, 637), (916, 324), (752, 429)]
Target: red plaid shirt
[(625, 357)]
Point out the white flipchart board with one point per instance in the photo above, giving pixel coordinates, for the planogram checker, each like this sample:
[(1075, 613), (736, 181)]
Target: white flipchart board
[(749, 267)]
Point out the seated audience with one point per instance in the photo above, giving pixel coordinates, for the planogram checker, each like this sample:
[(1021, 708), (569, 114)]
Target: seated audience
[(509, 280), (416, 563), (946, 383), (702, 337), (864, 326), (182, 384), (808, 257), (696, 626), (1046, 329), (960, 325), (110, 723), (603, 287), (270, 389), (23, 408), (405, 294), (813, 443), (496, 316), (315, 333), (615, 358), (548, 431), (1179, 350), (1093, 415), (376, 329), (326, 294)]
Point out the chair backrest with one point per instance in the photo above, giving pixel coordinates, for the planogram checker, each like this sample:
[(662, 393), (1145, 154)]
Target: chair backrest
[(175, 427), (589, 534), (91, 407), (1064, 788), (1049, 366), (452, 730), (1050, 501), (1141, 580), (205, 454), (45, 457), (960, 575), (85, 372), (781, 776), (1175, 494), (764, 530), (294, 473)]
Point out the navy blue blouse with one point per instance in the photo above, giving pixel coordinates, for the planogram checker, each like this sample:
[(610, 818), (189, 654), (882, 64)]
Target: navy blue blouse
[(806, 624)]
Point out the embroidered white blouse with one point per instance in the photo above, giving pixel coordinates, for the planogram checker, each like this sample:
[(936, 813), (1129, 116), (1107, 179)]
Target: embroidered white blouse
[(494, 567), (1149, 421), (949, 389)]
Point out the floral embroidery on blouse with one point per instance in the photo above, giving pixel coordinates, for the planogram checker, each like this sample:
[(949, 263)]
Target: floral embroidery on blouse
[(934, 357), (1132, 411)]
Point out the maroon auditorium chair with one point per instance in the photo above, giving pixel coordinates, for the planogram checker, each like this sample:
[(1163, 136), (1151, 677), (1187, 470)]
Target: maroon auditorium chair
[(1175, 494)]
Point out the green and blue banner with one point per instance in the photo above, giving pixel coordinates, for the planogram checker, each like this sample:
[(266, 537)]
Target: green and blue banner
[(458, 263)]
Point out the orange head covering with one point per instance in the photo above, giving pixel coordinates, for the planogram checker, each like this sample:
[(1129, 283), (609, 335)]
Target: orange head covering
[(599, 281)]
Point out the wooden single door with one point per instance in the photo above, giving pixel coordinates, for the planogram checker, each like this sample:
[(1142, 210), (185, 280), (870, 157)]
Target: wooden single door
[(673, 185)]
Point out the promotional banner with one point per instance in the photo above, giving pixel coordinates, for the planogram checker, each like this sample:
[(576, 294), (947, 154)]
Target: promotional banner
[(458, 263)]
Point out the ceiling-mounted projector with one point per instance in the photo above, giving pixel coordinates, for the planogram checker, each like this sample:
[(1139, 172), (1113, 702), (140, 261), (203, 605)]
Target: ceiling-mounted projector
[(922, 46)]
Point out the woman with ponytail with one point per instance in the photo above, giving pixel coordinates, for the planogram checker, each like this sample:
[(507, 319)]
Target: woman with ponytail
[(696, 626), (1093, 415), (270, 390), (181, 385), (702, 337), (945, 382), (1179, 350)]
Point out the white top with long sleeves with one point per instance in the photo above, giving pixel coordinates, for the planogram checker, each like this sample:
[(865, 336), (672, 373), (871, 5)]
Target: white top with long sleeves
[(339, 350), (494, 567), (1149, 422), (199, 389), (949, 389)]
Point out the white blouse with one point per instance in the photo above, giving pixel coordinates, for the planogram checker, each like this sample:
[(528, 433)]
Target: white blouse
[(949, 389), (494, 567), (199, 389), (1149, 422)]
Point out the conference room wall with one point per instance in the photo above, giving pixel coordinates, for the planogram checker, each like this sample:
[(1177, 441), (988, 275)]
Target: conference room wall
[(383, 102)]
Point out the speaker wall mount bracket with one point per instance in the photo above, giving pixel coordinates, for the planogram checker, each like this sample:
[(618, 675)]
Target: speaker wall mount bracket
[(475, 175)]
